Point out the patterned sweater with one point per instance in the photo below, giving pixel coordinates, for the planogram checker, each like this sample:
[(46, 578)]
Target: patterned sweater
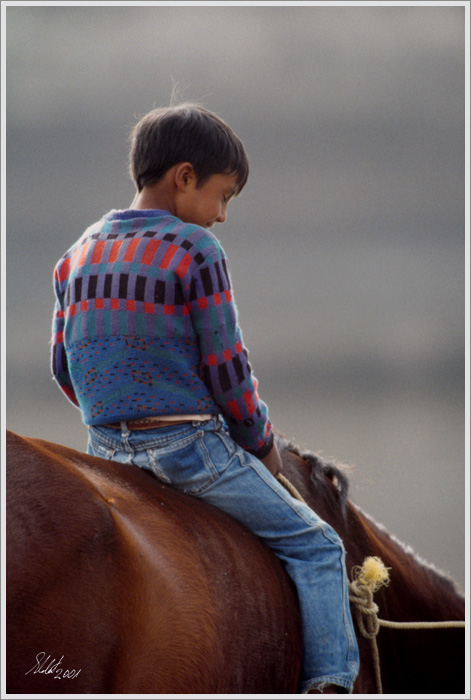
[(145, 324)]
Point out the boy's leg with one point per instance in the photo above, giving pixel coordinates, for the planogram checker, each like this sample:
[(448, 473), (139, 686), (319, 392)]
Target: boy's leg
[(313, 555), (205, 462)]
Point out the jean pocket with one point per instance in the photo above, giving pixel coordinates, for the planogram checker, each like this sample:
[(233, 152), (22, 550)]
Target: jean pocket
[(220, 447), (185, 463)]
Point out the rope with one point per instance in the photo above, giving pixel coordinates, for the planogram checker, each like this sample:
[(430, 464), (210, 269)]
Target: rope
[(361, 591), (448, 624), (369, 623), (290, 488)]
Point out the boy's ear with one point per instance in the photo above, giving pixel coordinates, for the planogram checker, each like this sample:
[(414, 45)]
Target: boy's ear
[(184, 176)]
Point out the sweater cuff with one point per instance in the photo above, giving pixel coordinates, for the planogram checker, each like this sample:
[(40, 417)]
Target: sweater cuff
[(265, 449)]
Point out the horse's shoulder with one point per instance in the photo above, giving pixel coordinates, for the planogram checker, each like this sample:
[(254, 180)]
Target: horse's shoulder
[(120, 504), (189, 557), (195, 535), (46, 481), (53, 512)]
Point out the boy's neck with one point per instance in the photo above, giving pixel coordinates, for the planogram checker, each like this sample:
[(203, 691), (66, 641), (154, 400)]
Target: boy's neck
[(144, 200), (161, 195)]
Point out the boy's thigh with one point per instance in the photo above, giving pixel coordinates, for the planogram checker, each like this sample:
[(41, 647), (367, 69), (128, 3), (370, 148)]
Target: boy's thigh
[(210, 465), (251, 494)]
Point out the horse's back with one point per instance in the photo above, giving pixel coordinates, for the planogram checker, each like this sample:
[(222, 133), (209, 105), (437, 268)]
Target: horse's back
[(142, 588)]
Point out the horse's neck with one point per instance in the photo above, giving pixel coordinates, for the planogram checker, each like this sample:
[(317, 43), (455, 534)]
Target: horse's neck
[(416, 587), (417, 590), (417, 660), (413, 661)]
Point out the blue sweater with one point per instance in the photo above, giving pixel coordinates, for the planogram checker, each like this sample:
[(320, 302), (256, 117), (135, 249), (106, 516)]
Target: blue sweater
[(145, 324)]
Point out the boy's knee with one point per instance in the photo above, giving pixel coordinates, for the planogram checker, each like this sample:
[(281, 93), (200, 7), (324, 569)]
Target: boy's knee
[(334, 538)]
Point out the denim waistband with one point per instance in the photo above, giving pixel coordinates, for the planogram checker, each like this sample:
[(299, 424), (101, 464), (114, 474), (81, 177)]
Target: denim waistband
[(113, 438)]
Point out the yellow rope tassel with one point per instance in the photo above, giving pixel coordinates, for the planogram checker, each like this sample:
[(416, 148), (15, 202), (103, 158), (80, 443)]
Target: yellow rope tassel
[(372, 573)]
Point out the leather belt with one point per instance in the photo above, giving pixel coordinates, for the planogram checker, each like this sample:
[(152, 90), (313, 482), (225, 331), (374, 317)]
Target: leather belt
[(148, 423)]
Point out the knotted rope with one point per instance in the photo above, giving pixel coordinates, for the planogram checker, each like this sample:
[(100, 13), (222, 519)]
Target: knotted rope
[(368, 578)]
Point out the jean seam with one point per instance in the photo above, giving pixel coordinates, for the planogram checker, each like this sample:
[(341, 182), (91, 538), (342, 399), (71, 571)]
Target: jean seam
[(352, 641), (166, 447), (210, 466), (159, 443), (227, 441)]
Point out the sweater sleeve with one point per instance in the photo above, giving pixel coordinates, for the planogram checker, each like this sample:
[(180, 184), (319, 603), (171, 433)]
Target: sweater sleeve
[(59, 364), (225, 366)]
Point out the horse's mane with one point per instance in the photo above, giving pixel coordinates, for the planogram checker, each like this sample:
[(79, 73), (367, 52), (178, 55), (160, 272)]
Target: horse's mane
[(320, 469), (438, 575)]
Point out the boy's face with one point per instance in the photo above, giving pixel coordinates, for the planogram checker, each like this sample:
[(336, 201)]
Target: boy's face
[(207, 204)]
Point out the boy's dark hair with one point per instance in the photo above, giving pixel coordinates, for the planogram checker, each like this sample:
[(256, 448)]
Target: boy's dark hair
[(185, 133)]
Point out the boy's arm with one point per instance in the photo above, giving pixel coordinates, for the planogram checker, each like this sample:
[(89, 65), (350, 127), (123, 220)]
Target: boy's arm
[(273, 461), (225, 367), (59, 365)]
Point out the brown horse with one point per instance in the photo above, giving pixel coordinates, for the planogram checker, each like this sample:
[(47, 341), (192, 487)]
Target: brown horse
[(117, 583)]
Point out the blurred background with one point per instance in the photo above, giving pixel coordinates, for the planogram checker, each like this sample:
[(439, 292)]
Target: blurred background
[(346, 247)]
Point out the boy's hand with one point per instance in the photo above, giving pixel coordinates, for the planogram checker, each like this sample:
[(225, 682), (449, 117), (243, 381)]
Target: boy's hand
[(273, 461)]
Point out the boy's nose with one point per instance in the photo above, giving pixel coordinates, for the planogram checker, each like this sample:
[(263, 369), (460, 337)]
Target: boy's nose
[(222, 216)]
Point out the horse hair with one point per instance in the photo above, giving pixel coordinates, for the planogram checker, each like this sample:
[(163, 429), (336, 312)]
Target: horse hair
[(319, 468)]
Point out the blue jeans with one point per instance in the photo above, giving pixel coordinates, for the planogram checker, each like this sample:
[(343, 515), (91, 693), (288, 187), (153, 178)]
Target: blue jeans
[(203, 460)]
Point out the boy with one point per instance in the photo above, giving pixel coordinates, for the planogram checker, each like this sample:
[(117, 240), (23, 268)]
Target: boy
[(146, 343)]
